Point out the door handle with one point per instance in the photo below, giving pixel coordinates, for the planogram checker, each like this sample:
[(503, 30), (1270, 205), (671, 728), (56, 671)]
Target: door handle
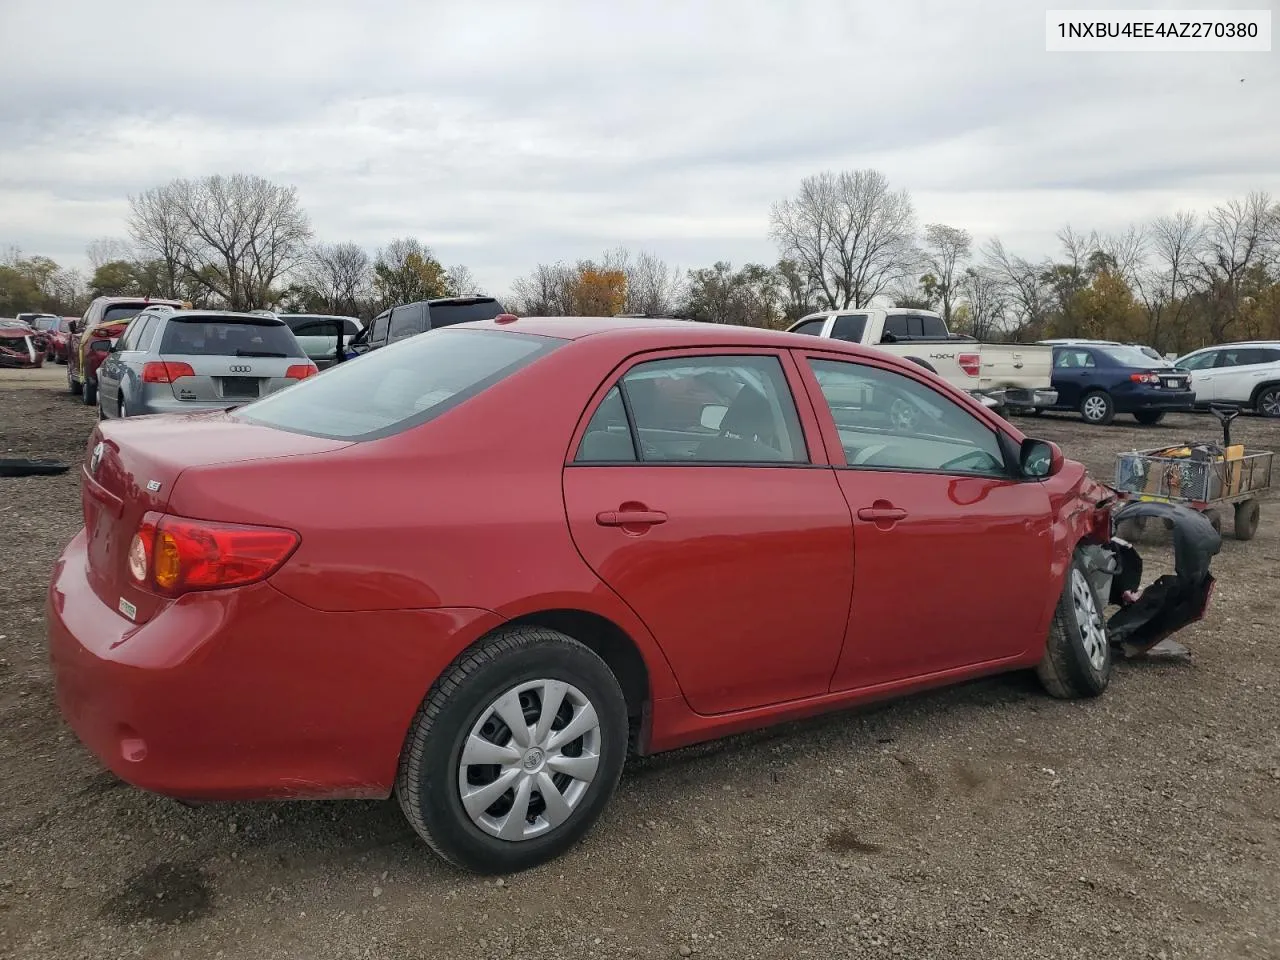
[(881, 513), (630, 518)]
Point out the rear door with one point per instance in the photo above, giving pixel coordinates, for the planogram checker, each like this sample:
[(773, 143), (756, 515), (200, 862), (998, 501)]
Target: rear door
[(952, 553), (695, 495), (1074, 372)]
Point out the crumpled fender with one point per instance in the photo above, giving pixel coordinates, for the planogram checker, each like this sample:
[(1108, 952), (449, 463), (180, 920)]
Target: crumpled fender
[(1171, 602)]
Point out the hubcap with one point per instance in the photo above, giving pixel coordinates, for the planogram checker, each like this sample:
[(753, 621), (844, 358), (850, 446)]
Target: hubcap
[(529, 759), (1095, 408), (1092, 632), (1271, 404)]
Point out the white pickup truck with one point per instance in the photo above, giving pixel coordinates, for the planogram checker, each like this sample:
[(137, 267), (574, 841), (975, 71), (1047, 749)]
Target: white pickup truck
[(1015, 376)]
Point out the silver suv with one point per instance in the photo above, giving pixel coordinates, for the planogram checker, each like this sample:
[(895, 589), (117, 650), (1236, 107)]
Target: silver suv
[(178, 361)]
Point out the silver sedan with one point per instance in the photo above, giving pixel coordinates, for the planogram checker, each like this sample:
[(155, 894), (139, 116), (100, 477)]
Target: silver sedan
[(179, 361)]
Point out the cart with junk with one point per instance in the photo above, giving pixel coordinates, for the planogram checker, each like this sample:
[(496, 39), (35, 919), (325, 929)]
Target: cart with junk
[(1204, 475)]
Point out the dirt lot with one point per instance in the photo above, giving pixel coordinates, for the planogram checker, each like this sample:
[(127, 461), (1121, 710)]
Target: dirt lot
[(986, 821)]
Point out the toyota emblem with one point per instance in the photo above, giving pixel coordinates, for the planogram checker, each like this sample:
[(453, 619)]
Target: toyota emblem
[(96, 458), (241, 368)]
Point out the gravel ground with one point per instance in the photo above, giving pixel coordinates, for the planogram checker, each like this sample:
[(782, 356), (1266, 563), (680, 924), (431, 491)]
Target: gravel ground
[(984, 821)]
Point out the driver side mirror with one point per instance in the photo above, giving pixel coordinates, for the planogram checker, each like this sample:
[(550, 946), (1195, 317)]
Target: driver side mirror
[(1038, 459), (712, 415)]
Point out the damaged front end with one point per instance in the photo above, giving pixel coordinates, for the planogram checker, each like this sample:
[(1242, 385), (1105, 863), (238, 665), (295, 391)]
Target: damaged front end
[(1148, 617)]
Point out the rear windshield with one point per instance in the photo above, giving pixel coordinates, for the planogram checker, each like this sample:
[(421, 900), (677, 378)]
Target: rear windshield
[(1128, 356), (400, 386), (227, 337), (122, 311), (319, 325), (447, 314)]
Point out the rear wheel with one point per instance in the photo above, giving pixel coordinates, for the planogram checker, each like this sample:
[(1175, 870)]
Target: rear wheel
[(73, 385), (1268, 402), (1248, 514), (1097, 408), (89, 393), (1077, 658), (515, 751), (1149, 418)]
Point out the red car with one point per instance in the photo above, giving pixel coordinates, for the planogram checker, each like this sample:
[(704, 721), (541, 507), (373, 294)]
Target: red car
[(582, 537), (20, 345), (59, 334)]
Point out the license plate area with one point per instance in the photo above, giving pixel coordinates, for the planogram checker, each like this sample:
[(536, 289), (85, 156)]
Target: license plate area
[(239, 388)]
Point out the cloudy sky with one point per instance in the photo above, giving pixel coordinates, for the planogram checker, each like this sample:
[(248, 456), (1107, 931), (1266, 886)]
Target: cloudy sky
[(504, 134)]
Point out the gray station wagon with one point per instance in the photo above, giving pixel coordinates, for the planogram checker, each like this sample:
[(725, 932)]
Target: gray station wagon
[(177, 361)]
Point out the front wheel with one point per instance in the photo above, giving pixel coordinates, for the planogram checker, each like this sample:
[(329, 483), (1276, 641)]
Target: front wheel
[(1149, 418), (1097, 408), (515, 751), (73, 385), (1077, 658)]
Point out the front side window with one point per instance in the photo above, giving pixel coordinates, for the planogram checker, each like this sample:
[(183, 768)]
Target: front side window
[(932, 327), (404, 321), (390, 390), (731, 410), (889, 421), (895, 327)]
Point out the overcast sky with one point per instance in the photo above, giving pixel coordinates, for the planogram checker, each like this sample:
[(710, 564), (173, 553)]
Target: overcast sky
[(503, 134)]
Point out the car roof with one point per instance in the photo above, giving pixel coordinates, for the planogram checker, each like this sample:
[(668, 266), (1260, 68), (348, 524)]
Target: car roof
[(262, 319), (661, 331)]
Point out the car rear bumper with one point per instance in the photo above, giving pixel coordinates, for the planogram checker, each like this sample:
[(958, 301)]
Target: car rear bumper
[(1021, 398), (245, 693), (1165, 400)]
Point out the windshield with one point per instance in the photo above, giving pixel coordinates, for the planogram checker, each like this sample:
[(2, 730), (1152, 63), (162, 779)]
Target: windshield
[(400, 386), (227, 337), (44, 323)]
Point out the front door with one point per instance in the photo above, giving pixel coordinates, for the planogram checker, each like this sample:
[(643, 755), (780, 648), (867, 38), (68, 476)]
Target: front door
[(693, 495), (952, 553)]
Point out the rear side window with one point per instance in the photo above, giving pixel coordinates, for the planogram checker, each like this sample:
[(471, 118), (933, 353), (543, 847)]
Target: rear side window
[(849, 326), (214, 337), (447, 314), (387, 391)]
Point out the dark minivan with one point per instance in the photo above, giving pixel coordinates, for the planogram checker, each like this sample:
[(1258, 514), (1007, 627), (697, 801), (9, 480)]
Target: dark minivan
[(410, 319), (1102, 380)]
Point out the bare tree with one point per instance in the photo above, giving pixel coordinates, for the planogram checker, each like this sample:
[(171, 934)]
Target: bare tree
[(946, 250), (1165, 280), (987, 299), (339, 273), (546, 292), (849, 232), (1022, 282), (653, 288), (1240, 236), (462, 282), (234, 236), (107, 250), (159, 228), (405, 271)]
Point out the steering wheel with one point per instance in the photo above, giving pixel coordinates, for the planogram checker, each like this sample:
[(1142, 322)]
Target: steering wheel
[(979, 458)]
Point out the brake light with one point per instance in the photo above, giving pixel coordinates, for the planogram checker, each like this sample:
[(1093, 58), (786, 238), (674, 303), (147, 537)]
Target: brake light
[(970, 363), (1144, 378), (165, 371), (173, 556), (300, 371)]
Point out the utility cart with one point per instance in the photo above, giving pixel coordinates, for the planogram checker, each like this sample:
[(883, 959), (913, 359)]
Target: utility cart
[(1202, 475)]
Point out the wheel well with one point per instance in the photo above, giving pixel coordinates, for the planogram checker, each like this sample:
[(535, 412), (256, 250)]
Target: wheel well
[(611, 643), (1253, 399), (924, 363)]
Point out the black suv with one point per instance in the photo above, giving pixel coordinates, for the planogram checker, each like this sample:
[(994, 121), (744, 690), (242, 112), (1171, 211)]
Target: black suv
[(410, 319)]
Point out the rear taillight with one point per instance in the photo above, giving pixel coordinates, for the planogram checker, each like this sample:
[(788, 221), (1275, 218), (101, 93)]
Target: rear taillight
[(300, 371), (1144, 378), (165, 371), (970, 363), (173, 555)]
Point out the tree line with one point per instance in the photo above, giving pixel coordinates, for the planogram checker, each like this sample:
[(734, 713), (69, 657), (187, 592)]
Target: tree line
[(844, 240)]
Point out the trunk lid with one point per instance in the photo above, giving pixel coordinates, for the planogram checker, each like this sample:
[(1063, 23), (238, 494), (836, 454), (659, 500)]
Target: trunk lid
[(234, 379), (131, 467)]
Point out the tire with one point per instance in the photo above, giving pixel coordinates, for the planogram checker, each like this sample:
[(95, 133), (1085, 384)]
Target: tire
[(89, 393), (462, 708), (1097, 408), (1149, 418), (1077, 659), (1033, 411), (1132, 529), (1268, 402), (73, 385), (1215, 518), (1248, 513)]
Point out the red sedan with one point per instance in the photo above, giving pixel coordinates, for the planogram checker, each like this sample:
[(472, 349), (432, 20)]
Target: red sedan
[(567, 538)]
